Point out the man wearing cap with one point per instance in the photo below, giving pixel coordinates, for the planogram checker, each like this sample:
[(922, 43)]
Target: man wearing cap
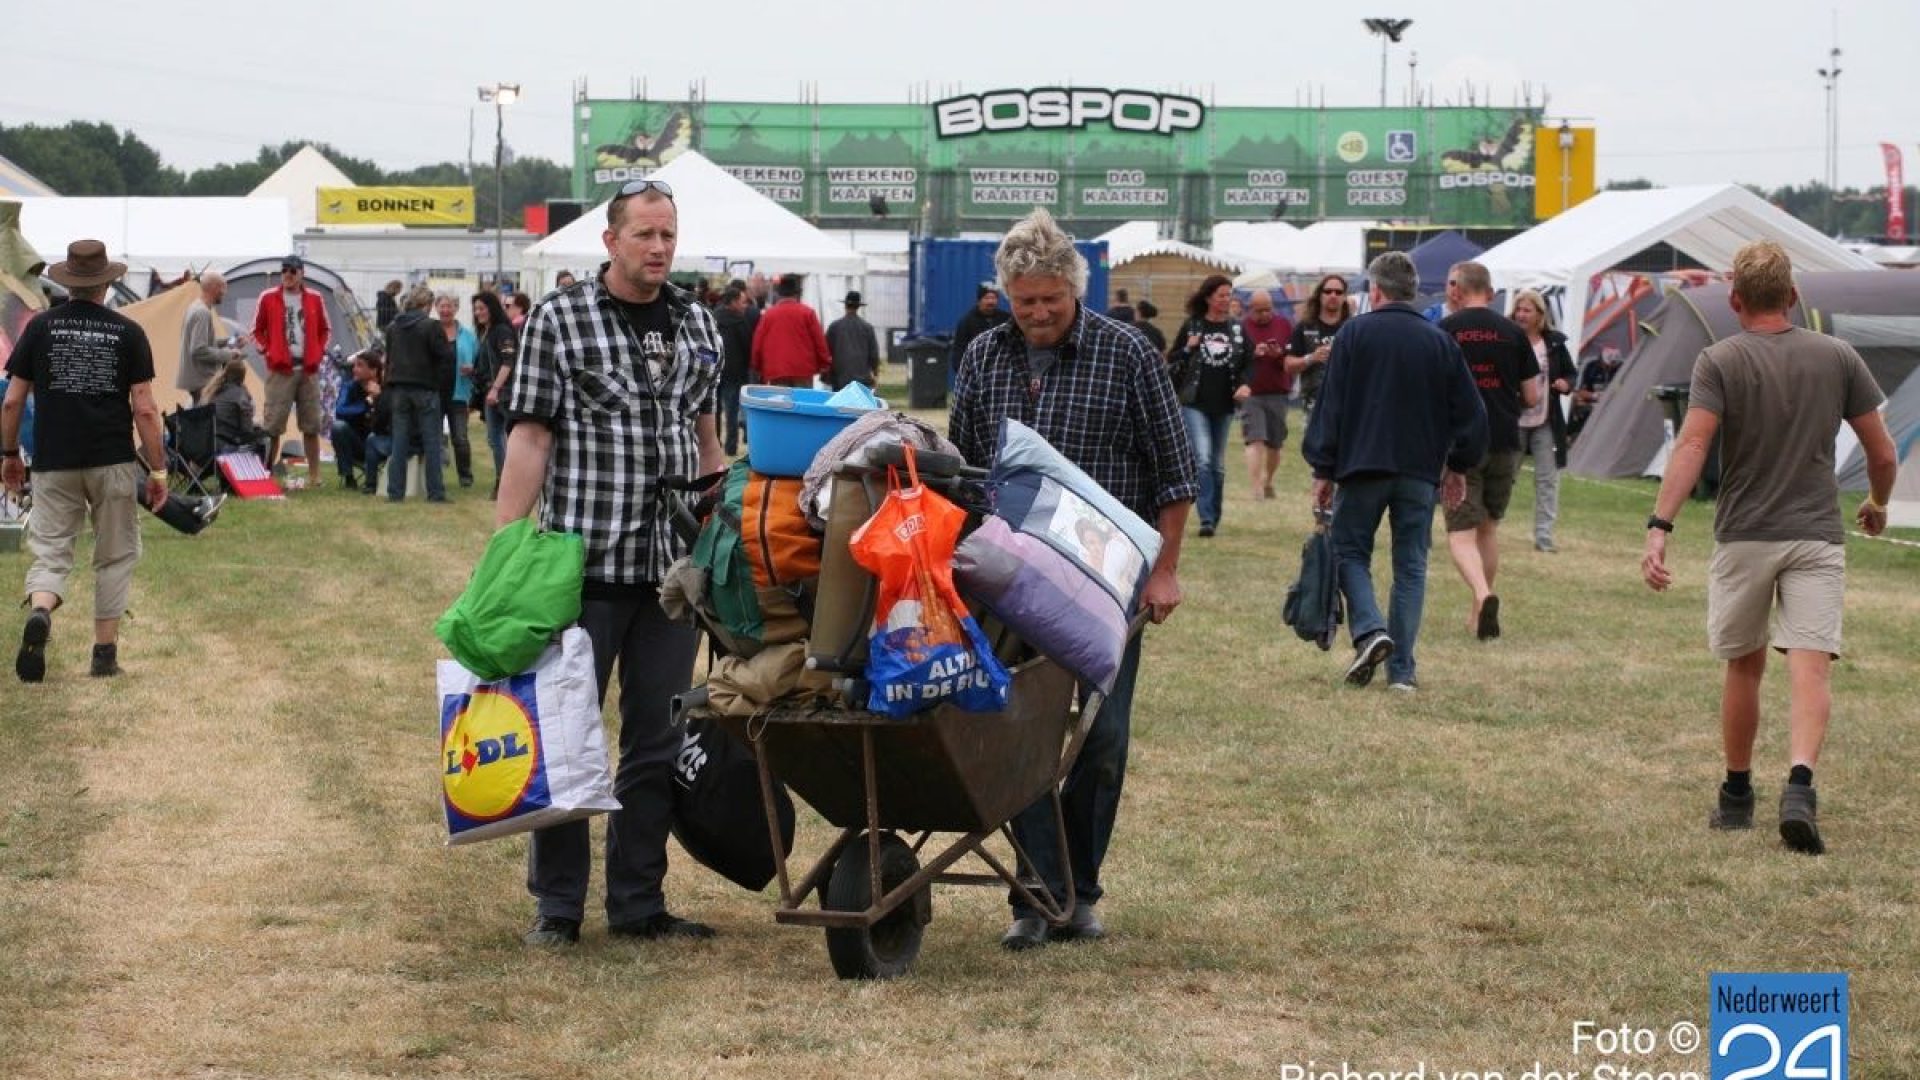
[(854, 347), (290, 330), (90, 370)]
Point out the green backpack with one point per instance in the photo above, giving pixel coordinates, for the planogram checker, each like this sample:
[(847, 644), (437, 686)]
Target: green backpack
[(721, 551), (525, 590)]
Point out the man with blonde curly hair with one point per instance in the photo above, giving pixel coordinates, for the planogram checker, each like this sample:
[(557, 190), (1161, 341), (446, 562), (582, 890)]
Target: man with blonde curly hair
[(1776, 394), (1096, 391)]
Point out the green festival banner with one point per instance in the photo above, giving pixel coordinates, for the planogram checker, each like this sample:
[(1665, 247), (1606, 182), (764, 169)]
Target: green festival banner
[(1094, 156)]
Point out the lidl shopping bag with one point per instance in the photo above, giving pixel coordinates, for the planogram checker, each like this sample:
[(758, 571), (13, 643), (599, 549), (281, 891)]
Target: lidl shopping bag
[(524, 752), (925, 650)]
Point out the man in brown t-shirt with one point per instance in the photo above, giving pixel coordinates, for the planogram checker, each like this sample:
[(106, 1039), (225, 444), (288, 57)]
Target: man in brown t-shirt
[(1776, 394)]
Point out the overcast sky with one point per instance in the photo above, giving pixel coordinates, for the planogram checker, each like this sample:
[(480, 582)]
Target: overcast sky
[(1681, 92)]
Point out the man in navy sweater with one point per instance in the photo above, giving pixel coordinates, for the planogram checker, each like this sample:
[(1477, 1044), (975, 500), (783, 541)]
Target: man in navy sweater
[(1398, 406)]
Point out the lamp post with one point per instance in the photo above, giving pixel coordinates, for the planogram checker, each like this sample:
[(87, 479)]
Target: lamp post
[(500, 95), (1389, 31), (1830, 76)]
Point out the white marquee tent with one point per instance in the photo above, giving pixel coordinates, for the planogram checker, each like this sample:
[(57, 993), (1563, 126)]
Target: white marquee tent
[(297, 180), (166, 236), (1263, 242), (1325, 247), (1708, 223), (722, 221)]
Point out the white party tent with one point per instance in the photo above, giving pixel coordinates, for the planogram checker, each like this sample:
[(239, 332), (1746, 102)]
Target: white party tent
[(1708, 223), (166, 236), (1266, 243), (296, 181), (722, 221)]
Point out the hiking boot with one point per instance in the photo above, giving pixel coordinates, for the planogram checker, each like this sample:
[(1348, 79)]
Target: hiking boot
[(661, 925), (1206, 531), (31, 663), (106, 661), (553, 932), (1797, 812), (1027, 933), (1734, 811), (1368, 653), (1082, 925)]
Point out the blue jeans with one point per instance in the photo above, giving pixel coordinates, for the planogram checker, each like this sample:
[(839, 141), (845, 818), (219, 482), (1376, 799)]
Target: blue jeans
[(497, 440), (379, 448), (416, 428), (1358, 506), (349, 448), (1208, 434), (1089, 800)]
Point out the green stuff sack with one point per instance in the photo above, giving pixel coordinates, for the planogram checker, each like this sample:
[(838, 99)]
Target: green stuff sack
[(525, 590), (721, 551)]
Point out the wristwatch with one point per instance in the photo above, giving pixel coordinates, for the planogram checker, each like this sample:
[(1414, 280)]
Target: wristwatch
[(1655, 521)]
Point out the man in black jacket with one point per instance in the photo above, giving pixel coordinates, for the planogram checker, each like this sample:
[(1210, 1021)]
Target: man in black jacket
[(736, 318), (1397, 405), (419, 361), (986, 315)]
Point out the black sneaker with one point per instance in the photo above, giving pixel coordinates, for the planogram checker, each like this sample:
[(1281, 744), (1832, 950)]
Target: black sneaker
[(1734, 811), (1082, 925), (1368, 653), (31, 663), (1797, 812), (1206, 531), (106, 661), (1024, 934), (552, 932), (662, 925)]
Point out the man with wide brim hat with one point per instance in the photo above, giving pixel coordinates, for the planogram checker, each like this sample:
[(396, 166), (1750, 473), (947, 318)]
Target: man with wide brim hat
[(90, 370), (853, 345)]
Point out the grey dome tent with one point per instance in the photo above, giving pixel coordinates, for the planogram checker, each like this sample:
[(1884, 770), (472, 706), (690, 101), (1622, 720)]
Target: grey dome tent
[(1627, 431)]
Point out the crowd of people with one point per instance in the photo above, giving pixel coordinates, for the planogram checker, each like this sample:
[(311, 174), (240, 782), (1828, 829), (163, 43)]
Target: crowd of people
[(612, 383)]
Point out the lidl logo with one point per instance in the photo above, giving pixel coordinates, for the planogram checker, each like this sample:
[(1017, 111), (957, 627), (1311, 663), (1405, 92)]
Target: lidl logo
[(491, 764)]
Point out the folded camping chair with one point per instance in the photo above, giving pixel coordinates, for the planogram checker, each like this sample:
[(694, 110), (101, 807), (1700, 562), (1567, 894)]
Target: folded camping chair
[(191, 451)]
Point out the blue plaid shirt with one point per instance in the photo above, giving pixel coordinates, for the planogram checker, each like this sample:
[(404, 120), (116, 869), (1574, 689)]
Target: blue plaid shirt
[(617, 429), (1106, 404)]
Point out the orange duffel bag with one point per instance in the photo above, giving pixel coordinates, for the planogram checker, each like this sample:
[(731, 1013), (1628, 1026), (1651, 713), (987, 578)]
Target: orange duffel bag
[(782, 548)]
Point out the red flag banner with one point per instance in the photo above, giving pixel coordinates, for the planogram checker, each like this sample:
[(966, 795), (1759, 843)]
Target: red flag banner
[(1896, 194)]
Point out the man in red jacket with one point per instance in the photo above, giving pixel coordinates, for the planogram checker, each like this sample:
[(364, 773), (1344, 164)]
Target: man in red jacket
[(290, 330), (789, 345)]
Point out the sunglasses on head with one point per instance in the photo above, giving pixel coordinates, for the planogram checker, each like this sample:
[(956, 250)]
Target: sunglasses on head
[(640, 187)]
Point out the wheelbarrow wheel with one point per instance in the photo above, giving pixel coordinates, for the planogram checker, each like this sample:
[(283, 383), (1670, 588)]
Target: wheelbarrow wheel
[(886, 949)]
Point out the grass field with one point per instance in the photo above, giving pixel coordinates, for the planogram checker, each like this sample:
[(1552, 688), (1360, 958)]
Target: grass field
[(229, 862)]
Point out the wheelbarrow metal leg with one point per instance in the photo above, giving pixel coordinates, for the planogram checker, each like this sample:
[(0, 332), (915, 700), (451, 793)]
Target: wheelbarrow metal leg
[(773, 824)]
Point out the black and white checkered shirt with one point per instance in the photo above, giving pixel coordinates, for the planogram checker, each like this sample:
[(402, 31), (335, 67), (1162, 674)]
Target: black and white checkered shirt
[(616, 430), (1106, 404)]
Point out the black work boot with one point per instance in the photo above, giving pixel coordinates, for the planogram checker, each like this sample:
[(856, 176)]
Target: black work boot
[(106, 661)]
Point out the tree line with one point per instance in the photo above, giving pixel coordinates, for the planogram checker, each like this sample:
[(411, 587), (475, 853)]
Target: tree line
[(95, 159)]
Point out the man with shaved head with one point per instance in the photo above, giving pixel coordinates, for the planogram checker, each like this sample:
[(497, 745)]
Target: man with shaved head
[(201, 354)]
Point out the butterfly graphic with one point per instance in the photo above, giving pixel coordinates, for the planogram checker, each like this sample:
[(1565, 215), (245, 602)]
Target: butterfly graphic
[(647, 150)]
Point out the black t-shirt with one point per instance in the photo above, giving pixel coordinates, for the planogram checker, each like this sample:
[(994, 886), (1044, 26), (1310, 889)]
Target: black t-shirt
[(1502, 361), (652, 326), (1223, 354), (83, 361), (1307, 336)]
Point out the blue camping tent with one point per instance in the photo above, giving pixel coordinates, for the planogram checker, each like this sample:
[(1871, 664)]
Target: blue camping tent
[(1433, 256)]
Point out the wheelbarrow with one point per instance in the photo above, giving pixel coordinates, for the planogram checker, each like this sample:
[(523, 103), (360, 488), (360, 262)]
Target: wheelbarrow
[(892, 786)]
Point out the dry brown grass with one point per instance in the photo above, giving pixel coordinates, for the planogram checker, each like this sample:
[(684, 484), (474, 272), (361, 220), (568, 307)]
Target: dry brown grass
[(229, 862)]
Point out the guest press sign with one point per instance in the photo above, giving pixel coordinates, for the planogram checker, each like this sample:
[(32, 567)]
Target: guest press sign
[(1054, 108)]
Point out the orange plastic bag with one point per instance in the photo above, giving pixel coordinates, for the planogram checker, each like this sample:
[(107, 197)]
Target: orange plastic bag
[(925, 650)]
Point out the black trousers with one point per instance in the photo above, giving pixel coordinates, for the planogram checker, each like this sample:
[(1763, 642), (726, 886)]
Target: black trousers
[(655, 656)]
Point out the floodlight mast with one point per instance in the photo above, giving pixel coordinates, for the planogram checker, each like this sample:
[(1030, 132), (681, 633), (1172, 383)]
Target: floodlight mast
[(1389, 32)]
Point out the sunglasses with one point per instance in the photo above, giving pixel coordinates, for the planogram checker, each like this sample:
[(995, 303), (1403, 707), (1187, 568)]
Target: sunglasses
[(1333, 292), (640, 187)]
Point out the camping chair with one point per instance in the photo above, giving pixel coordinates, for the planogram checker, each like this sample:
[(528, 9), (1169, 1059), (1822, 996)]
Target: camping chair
[(191, 451)]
